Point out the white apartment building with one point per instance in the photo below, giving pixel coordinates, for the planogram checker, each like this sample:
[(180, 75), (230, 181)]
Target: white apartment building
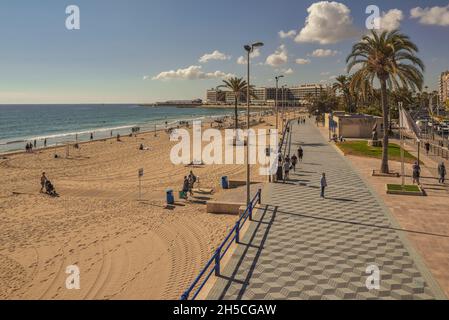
[(444, 87), (290, 96)]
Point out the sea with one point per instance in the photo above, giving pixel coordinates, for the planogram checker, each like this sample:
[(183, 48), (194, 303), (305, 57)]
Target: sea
[(62, 124)]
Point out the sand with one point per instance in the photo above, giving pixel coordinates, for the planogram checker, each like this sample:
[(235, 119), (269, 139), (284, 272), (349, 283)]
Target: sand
[(125, 248)]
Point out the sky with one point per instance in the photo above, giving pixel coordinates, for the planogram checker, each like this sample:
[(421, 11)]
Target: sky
[(142, 51)]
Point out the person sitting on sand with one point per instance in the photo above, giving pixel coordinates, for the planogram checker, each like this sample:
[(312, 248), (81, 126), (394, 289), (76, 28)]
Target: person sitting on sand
[(141, 147), (43, 180), (118, 138)]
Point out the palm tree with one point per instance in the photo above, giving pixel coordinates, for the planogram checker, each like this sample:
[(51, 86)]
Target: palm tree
[(389, 57), (238, 87), (342, 85)]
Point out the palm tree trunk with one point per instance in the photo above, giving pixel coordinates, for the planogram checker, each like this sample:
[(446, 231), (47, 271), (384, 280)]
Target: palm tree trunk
[(236, 113), (385, 112)]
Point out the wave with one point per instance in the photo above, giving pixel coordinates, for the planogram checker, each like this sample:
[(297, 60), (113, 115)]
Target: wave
[(74, 133)]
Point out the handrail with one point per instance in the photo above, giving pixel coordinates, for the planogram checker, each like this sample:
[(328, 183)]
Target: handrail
[(234, 234), (284, 138)]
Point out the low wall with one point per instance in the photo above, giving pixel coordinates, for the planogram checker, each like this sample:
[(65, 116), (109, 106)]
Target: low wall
[(220, 207)]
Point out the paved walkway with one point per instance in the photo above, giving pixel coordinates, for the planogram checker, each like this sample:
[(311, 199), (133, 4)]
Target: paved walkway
[(304, 247)]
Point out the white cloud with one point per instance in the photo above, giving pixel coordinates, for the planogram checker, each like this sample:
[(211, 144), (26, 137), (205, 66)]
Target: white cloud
[(327, 23), (288, 34), (391, 20), (278, 58), (287, 71), (216, 55), (302, 61), (241, 60), (190, 73), (322, 53), (431, 15), (325, 73), (254, 54)]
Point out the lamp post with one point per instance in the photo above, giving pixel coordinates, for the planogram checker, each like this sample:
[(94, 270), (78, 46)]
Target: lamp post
[(276, 101), (283, 107), (249, 49), (401, 126)]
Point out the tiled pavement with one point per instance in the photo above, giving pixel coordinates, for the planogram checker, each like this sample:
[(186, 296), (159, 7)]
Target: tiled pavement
[(304, 247)]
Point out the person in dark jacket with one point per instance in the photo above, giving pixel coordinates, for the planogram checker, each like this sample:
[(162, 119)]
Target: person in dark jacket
[(441, 172)]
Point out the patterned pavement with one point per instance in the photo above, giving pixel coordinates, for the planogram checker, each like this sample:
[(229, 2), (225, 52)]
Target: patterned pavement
[(300, 246)]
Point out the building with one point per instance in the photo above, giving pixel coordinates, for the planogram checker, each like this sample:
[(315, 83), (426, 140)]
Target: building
[(187, 103), (354, 126), (290, 96), (444, 87)]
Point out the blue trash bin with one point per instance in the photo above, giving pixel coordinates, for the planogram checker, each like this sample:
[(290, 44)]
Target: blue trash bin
[(224, 182), (170, 197)]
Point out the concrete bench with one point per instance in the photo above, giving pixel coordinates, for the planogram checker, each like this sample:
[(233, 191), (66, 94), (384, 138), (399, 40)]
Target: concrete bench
[(221, 207)]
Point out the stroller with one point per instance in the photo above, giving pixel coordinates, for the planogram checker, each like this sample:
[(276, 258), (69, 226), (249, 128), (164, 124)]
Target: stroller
[(50, 189)]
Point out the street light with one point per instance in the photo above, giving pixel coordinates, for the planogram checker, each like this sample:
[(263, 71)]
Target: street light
[(276, 99), (283, 106), (249, 49)]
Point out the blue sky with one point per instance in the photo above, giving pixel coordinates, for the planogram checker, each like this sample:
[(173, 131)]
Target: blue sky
[(121, 42)]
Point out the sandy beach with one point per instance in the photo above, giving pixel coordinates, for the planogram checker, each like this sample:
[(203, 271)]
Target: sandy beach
[(125, 248)]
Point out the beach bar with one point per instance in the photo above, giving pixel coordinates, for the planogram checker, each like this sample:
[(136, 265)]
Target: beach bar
[(354, 126)]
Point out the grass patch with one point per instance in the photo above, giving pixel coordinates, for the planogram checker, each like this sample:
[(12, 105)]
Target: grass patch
[(405, 188), (362, 149)]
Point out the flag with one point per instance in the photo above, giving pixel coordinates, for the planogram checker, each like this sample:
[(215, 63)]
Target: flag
[(406, 122)]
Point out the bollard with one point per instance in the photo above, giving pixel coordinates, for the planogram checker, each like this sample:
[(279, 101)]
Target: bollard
[(217, 263), (250, 213), (237, 232), (260, 196)]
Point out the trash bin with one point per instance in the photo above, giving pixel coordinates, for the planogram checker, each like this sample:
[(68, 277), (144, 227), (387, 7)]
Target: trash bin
[(170, 197), (224, 182)]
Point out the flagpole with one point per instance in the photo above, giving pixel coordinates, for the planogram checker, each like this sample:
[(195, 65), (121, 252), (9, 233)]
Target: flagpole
[(401, 123)]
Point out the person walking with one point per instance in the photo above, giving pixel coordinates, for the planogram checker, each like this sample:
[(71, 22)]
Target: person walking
[(427, 146), (323, 185), (192, 180), (441, 173), (294, 162), (300, 154), (43, 181), (286, 168), (279, 170), (416, 173), (185, 187)]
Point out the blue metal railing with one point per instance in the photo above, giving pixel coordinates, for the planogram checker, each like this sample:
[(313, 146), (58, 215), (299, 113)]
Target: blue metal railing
[(284, 138), (213, 265)]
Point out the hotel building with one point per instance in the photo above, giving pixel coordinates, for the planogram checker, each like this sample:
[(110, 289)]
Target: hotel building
[(290, 96), (444, 87)]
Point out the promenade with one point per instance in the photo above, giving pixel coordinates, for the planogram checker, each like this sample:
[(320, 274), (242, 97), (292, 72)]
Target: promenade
[(300, 246)]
